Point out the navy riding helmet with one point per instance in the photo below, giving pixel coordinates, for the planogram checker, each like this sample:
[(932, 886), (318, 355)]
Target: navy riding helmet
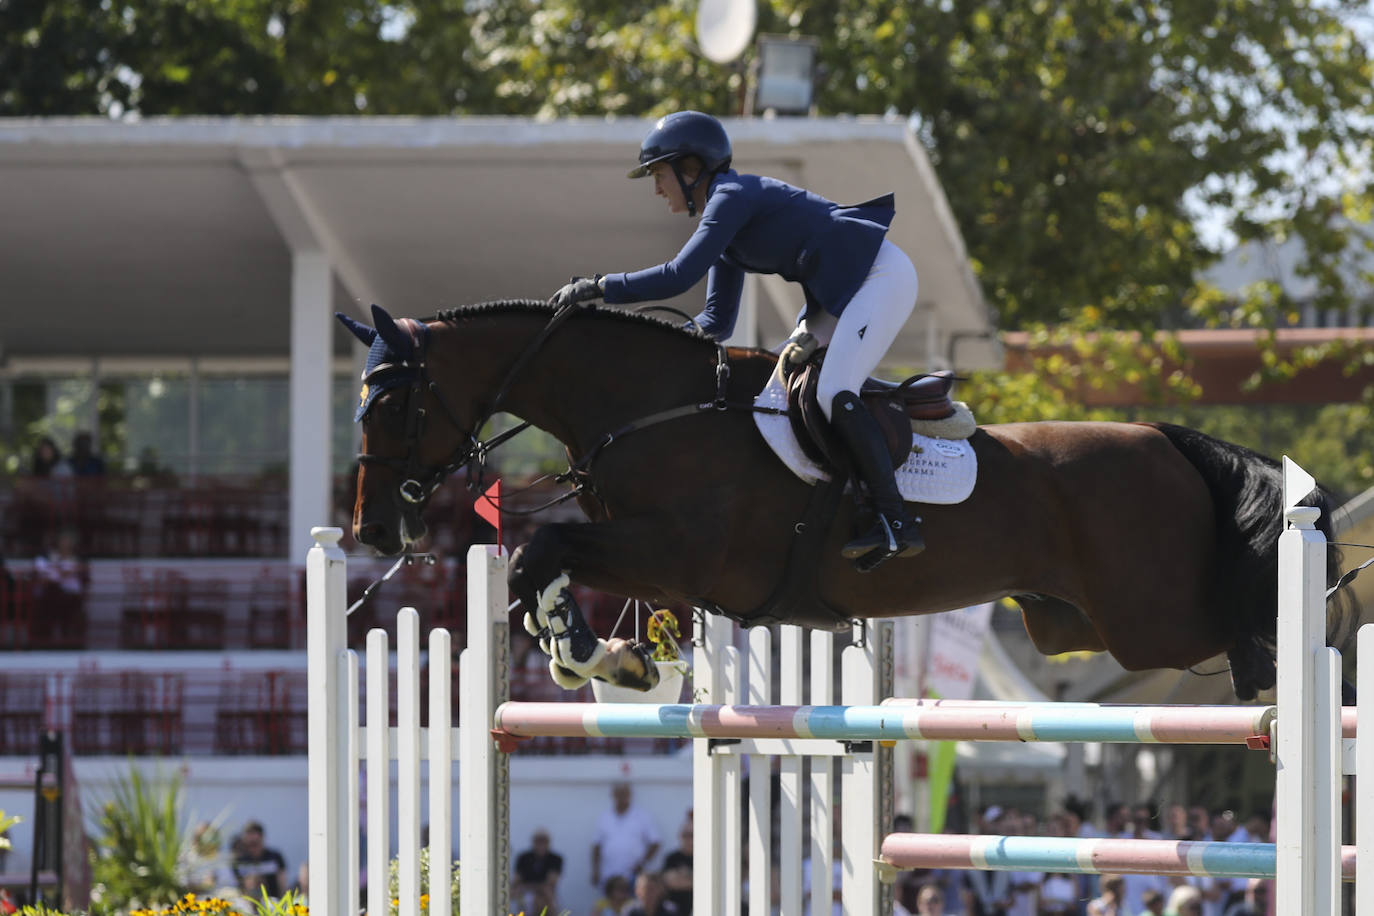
[(682, 134)]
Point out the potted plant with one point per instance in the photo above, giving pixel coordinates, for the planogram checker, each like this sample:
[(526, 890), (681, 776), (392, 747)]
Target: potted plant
[(662, 632)]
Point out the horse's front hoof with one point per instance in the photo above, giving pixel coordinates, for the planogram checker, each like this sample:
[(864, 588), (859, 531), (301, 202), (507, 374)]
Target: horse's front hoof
[(629, 665)]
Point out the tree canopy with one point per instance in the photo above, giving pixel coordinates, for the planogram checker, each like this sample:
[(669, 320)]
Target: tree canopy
[(1096, 153), (1080, 143)]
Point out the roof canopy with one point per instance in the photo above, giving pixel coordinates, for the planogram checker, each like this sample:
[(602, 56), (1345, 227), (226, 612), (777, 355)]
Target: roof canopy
[(175, 236)]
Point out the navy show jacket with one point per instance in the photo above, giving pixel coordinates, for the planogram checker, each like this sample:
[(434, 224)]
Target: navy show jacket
[(762, 225)]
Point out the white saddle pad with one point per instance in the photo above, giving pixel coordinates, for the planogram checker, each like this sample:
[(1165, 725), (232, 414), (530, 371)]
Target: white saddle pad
[(939, 471)]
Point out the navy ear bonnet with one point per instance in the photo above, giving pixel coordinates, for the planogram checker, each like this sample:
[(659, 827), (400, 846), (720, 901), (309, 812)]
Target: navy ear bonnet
[(391, 356)]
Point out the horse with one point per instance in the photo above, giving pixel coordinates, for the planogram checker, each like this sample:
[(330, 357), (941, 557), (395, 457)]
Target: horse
[(1150, 541)]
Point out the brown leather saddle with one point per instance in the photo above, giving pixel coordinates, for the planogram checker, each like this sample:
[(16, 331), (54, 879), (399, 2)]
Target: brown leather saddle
[(893, 404)]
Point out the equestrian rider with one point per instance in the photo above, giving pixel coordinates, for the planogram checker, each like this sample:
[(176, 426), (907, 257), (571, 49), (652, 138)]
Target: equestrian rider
[(860, 288)]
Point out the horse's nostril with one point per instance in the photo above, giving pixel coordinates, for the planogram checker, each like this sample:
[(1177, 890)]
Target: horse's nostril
[(371, 533)]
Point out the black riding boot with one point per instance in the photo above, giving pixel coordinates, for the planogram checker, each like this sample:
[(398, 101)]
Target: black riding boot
[(894, 533)]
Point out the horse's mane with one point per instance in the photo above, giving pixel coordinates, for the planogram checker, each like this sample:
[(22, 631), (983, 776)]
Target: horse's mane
[(539, 307)]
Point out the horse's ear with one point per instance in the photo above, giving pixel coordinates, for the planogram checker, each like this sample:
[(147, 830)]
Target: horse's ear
[(358, 329), (397, 340)]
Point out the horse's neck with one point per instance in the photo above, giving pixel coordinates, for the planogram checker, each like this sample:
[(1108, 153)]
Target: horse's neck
[(592, 376)]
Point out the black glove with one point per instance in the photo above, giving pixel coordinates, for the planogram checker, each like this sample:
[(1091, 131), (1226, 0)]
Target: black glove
[(580, 289)]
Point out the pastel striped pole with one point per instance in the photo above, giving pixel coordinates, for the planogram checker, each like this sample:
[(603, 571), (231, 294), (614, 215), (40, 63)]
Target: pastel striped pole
[(1089, 856), (1349, 714), (1112, 724)]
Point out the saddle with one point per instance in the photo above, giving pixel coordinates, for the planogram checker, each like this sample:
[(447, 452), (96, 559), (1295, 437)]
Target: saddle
[(893, 404)]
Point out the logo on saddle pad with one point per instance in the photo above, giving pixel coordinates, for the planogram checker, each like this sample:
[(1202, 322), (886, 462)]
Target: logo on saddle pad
[(937, 471)]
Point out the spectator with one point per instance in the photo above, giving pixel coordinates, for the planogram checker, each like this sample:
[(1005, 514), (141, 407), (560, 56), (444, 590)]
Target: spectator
[(537, 871), (59, 569), (1186, 900), (1141, 819), (1257, 827), (1118, 823), (1110, 902), (651, 897), (616, 898), (1176, 823), (302, 886), (626, 838), (1200, 822), (988, 893), (930, 901), (1256, 901), (677, 870), (256, 867), (1153, 901), (1058, 894), (47, 460), (85, 461), (1077, 823)]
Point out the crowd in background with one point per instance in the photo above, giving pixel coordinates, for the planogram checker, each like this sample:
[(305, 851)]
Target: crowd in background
[(1018, 893), (624, 845)]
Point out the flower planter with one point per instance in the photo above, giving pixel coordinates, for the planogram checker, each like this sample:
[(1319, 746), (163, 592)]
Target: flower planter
[(671, 678)]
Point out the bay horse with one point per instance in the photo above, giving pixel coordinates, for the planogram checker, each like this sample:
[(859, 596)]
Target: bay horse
[(1150, 541)]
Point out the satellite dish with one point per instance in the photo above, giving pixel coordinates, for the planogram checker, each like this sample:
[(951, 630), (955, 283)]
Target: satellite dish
[(725, 28)]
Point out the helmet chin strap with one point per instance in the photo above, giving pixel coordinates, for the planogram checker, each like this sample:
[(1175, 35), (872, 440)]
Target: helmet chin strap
[(688, 189)]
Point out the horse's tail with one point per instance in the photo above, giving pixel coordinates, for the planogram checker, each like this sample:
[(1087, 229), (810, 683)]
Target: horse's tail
[(1247, 496)]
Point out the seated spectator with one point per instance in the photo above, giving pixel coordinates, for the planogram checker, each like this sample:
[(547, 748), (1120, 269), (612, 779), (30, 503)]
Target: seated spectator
[(257, 868), (537, 871), (1153, 903), (930, 901), (47, 460), (1110, 902), (1257, 827), (1186, 900), (616, 898), (59, 569), (1058, 894), (651, 897), (677, 870), (1256, 901), (85, 461)]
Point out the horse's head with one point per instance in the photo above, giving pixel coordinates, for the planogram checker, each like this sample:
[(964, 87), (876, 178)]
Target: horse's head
[(411, 440)]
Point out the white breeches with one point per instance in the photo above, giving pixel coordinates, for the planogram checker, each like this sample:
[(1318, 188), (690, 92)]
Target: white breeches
[(861, 336)]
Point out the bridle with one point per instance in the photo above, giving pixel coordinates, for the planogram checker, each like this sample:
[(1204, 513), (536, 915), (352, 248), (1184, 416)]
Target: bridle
[(418, 480)]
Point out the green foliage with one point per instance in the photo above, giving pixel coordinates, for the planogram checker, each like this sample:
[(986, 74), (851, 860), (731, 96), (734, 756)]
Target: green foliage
[(142, 852), (394, 884), (39, 909), (5, 824), (289, 904)]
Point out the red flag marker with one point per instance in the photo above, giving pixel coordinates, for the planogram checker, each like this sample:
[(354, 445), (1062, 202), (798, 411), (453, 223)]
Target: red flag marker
[(488, 508)]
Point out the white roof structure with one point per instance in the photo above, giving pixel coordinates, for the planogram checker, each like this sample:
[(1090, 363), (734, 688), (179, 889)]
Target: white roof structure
[(230, 241), (134, 238)]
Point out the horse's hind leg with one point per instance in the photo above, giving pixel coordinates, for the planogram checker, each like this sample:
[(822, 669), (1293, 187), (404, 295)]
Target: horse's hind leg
[(1056, 626)]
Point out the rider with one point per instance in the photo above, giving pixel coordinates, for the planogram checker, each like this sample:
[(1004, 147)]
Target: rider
[(860, 288)]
